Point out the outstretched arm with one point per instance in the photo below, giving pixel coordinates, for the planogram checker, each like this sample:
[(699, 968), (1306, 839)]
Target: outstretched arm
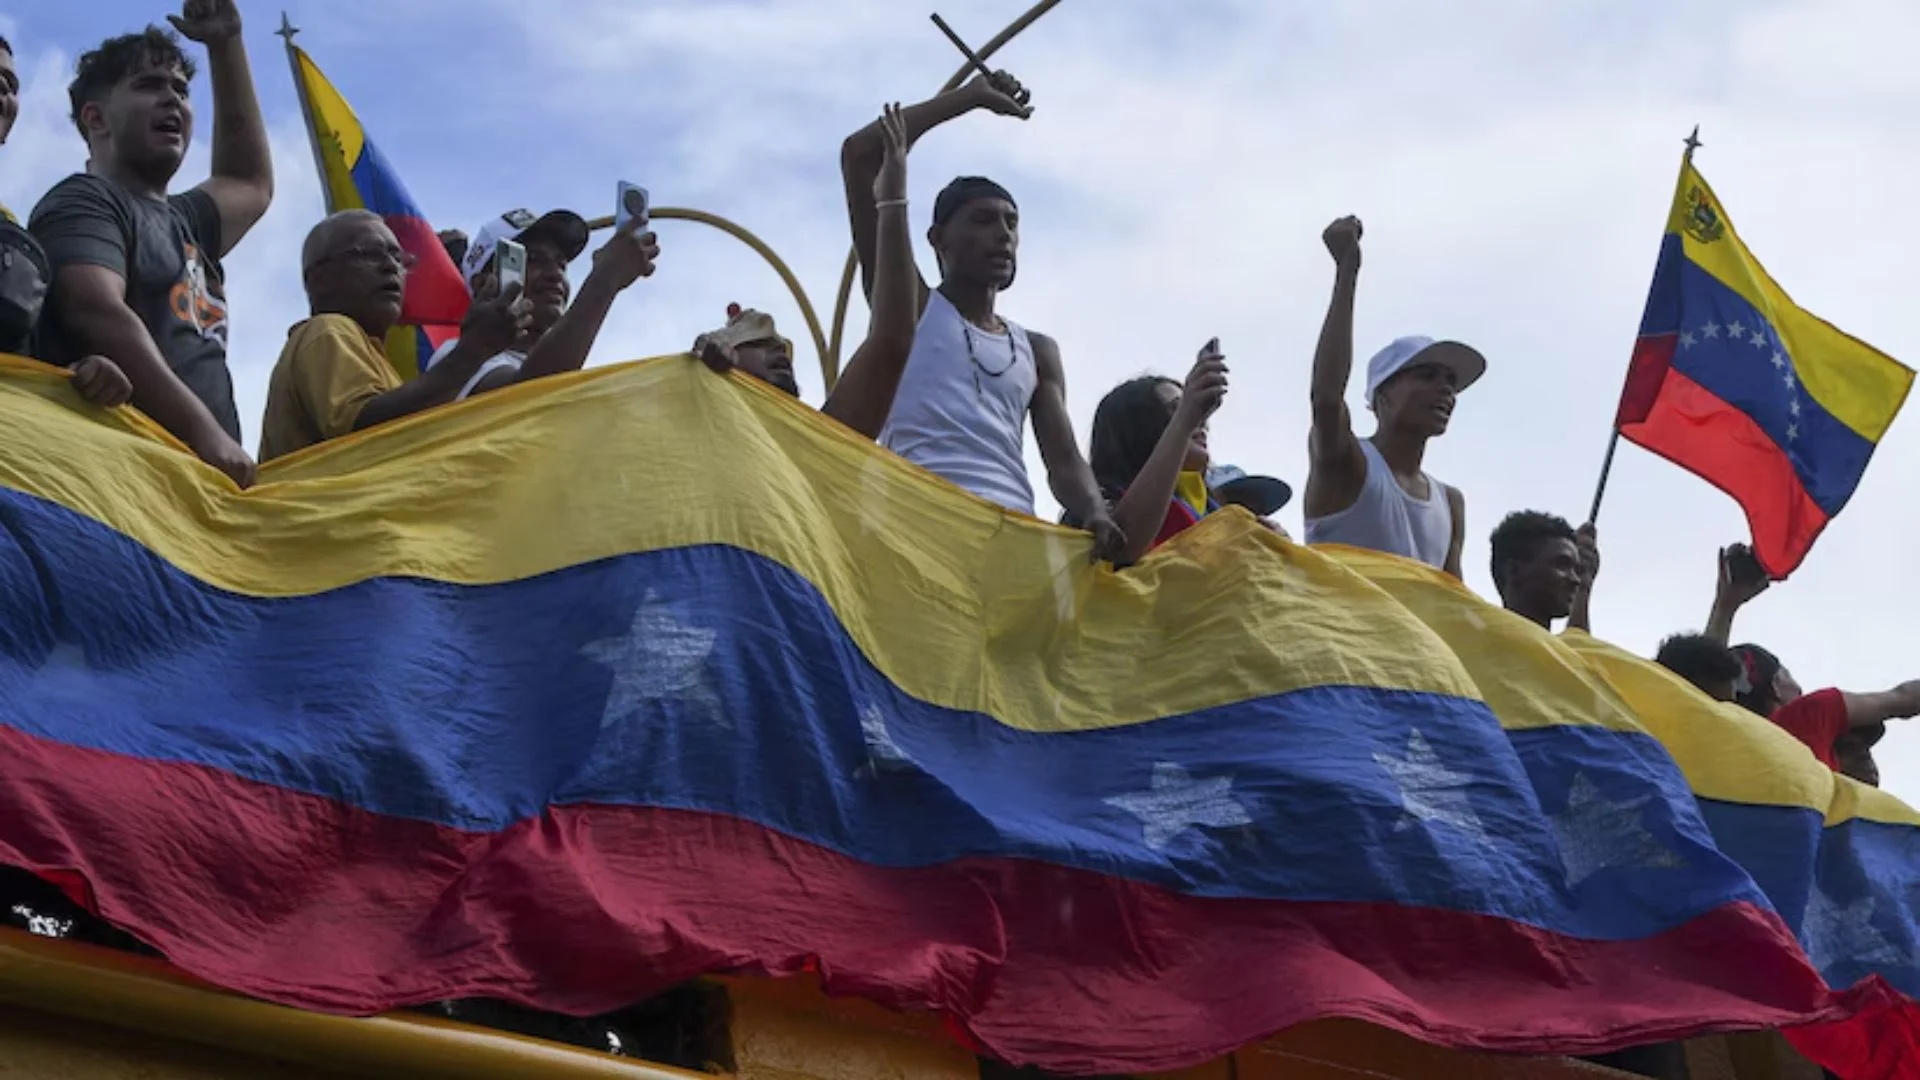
[(864, 153), (1068, 473), (242, 181), (1900, 703), (1142, 509), (863, 397), (1337, 468), (625, 258)]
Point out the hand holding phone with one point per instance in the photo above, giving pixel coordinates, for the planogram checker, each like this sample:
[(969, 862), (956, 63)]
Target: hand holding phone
[(509, 265), (631, 203)]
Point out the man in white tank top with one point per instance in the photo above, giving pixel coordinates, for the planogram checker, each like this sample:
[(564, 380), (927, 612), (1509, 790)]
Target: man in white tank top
[(974, 378), (1371, 492)]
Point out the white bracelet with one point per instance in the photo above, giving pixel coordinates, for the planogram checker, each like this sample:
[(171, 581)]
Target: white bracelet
[(882, 204)]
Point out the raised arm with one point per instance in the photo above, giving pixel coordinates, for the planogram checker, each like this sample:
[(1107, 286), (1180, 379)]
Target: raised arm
[(1900, 703), (625, 258), (1740, 580), (242, 181), (1587, 540), (1068, 473), (864, 153), (864, 395), (1142, 509), (1337, 467), (492, 324), (90, 303)]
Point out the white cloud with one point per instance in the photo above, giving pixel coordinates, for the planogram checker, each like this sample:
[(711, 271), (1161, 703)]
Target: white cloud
[(1512, 160)]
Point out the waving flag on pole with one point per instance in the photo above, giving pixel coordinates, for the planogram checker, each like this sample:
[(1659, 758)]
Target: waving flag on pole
[(354, 175), (1733, 381)]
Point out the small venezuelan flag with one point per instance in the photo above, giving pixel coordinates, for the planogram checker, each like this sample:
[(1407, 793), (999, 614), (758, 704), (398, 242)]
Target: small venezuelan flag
[(355, 175), (1735, 382)]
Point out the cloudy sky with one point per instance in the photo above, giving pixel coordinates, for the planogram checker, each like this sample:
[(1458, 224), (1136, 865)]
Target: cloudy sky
[(1513, 162)]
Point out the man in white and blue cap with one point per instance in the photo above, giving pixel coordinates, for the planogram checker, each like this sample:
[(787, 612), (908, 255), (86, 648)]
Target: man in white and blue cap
[(1371, 492), (1261, 496), (559, 336)]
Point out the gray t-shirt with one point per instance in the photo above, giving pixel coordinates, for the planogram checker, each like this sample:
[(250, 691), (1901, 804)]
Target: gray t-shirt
[(169, 253)]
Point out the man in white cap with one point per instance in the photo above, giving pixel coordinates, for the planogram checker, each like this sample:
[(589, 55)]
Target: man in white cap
[(1371, 493), (558, 337)]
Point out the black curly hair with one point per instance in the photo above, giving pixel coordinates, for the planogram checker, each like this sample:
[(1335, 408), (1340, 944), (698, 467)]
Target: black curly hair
[(102, 69)]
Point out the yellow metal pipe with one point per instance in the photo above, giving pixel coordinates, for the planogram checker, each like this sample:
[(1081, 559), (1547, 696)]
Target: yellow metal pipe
[(829, 369), (120, 990), (845, 297)]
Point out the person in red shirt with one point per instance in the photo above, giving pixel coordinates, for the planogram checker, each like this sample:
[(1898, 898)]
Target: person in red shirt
[(1840, 727), (1149, 452)]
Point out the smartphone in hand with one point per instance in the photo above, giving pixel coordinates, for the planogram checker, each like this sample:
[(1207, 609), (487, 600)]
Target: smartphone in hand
[(510, 265), (630, 203)]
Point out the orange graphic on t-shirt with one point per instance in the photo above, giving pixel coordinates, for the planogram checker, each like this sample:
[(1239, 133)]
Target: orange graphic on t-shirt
[(196, 299)]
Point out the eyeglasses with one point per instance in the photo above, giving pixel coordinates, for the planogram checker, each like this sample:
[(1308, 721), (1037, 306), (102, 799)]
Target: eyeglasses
[(373, 256)]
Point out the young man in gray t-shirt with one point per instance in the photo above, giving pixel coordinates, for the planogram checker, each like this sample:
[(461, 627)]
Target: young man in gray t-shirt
[(137, 272)]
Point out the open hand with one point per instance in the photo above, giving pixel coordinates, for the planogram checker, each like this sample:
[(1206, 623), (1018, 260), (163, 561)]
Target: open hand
[(1001, 93), (101, 382), (1343, 241), (628, 255), (891, 182), (496, 321), (207, 21)]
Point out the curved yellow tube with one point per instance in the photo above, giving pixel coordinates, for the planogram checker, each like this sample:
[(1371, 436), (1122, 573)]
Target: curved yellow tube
[(1012, 31), (829, 366), (119, 990)]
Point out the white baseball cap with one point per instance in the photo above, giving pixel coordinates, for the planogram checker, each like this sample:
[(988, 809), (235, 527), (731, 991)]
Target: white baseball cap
[(568, 230), (1465, 361)]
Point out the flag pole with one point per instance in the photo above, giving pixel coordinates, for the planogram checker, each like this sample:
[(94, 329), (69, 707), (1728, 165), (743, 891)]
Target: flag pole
[(286, 33), (1613, 442)]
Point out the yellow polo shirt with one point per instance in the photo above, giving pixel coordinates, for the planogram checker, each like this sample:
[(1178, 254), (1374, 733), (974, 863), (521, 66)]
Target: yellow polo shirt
[(327, 373)]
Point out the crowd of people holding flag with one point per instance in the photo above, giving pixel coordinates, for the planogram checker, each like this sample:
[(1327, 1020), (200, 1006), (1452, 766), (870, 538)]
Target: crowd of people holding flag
[(1729, 379)]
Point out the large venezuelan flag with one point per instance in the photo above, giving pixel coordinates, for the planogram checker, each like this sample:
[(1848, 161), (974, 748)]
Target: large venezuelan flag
[(354, 176), (1733, 381), (703, 683)]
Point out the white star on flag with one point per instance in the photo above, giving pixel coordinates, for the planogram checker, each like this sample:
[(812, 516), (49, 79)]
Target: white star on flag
[(659, 658), (1686, 339), (1793, 431), (1429, 791), (1779, 360), (883, 753), (1711, 330), (1737, 331), (1788, 379), (1793, 406), (1177, 801), (1758, 339), (1837, 932), (1595, 833)]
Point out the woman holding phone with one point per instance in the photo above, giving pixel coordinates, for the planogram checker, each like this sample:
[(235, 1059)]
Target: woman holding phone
[(1149, 451)]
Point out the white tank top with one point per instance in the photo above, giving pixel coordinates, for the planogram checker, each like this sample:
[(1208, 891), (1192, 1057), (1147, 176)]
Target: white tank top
[(961, 410), (1386, 518)]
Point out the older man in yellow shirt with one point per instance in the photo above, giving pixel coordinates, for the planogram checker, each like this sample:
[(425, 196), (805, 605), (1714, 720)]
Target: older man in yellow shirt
[(333, 377)]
